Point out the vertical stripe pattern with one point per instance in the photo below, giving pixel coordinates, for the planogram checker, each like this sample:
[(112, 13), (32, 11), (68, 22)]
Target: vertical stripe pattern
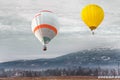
[(92, 15)]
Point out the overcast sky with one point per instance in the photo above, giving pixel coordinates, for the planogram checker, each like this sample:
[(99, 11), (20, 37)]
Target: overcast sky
[(18, 42)]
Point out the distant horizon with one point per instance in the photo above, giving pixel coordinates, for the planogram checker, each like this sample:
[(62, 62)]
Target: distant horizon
[(61, 55)]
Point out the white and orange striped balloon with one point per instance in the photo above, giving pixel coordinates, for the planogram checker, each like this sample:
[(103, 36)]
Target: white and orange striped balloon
[(44, 26)]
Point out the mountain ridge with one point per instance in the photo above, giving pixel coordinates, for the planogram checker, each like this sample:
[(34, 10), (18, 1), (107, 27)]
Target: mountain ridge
[(93, 57)]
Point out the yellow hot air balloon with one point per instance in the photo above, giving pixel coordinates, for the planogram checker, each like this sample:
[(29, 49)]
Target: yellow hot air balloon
[(92, 15)]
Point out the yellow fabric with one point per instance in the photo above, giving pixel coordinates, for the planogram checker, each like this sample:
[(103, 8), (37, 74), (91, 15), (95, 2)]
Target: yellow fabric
[(92, 15)]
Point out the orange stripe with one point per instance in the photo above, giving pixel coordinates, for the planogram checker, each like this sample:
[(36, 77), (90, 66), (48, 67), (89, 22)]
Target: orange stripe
[(42, 11), (37, 15), (46, 11), (45, 26)]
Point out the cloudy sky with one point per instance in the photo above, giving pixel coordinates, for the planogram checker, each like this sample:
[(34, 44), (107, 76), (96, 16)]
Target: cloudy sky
[(18, 42)]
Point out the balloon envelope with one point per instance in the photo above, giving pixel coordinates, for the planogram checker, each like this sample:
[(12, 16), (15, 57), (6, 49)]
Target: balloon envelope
[(44, 26), (92, 15)]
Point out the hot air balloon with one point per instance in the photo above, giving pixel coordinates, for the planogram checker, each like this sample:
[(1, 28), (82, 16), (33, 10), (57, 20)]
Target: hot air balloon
[(92, 15), (45, 27)]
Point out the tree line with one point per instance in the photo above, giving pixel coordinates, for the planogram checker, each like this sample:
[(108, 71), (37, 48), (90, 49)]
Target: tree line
[(77, 71)]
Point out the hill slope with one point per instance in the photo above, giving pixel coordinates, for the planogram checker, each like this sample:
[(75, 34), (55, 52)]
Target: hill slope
[(83, 58)]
